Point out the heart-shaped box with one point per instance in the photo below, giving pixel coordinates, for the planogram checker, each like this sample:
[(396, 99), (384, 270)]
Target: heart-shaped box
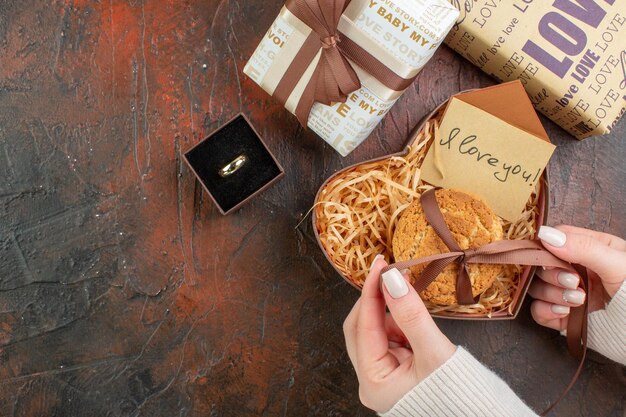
[(421, 137)]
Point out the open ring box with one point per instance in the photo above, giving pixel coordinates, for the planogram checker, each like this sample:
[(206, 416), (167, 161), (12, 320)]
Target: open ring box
[(356, 210), (238, 146)]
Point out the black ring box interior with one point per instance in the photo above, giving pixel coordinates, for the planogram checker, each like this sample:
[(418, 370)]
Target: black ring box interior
[(221, 147)]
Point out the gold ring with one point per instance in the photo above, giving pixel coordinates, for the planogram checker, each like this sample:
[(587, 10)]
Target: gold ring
[(232, 166)]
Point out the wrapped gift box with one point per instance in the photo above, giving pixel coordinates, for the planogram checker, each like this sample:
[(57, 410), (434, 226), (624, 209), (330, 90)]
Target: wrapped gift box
[(385, 44), (570, 56)]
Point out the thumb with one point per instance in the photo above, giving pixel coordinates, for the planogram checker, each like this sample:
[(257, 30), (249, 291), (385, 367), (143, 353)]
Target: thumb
[(583, 247), (409, 312)]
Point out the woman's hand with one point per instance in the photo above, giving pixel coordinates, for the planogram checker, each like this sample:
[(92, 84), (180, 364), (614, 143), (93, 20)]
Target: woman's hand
[(392, 352), (602, 254)]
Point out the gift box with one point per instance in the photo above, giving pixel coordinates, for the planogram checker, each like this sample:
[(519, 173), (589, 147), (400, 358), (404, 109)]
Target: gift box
[(233, 164), (356, 209), (569, 55), (339, 66)]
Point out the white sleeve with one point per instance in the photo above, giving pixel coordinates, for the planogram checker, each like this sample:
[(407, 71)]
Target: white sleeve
[(462, 386), (606, 331)]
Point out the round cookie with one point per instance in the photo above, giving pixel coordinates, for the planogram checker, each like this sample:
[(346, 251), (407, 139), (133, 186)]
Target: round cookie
[(472, 224)]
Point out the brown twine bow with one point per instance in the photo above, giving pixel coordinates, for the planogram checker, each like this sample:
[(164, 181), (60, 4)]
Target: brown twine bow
[(505, 252), (333, 78)]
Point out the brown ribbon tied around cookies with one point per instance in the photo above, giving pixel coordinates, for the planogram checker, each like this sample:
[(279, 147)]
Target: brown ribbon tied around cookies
[(520, 252), (503, 252), (333, 78)]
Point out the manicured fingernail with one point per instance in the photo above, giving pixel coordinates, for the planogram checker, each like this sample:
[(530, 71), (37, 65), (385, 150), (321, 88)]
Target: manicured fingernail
[(574, 296), (552, 236), (405, 271), (377, 257), (568, 280), (559, 309), (395, 283)]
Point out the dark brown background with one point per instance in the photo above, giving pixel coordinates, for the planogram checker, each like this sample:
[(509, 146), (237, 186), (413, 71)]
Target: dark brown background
[(123, 291)]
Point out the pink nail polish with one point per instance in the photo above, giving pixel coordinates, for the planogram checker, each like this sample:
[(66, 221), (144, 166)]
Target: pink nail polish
[(395, 283), (559, 309), (574, 296), (568, 280), (377, 257), (551, 236)]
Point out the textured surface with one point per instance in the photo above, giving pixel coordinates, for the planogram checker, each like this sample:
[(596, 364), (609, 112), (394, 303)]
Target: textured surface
[(124, 292)]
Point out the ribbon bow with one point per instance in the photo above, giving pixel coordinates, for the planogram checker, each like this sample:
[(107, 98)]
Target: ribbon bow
[(503, 252), (333, 78)]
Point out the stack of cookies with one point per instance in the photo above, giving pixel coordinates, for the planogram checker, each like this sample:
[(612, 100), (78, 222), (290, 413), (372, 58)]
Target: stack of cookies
[(472, 223)]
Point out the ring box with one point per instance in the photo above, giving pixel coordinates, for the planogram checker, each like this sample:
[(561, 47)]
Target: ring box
[(235, 138)]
